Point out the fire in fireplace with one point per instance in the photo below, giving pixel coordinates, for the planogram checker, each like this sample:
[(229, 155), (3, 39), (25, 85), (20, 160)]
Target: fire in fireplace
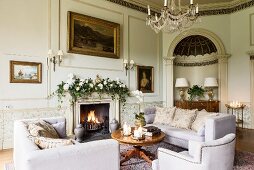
[(95, 119), (92, 122)]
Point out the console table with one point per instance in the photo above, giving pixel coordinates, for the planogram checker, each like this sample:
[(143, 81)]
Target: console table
[(209, 106)]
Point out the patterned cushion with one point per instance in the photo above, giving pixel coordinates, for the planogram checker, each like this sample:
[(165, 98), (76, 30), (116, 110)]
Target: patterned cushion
[(41, 128), (184, 118), (200, 119), (47, 143), (164, 115)]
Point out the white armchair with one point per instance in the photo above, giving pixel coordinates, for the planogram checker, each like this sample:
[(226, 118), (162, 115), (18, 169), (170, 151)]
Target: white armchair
[(213, 155)]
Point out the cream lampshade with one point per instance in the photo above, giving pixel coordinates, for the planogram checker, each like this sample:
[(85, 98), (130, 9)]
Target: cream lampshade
[(181, 83), (210, 83)]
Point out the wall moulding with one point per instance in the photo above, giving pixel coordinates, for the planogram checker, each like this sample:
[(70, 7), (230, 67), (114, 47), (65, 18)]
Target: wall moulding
[(251, 54)]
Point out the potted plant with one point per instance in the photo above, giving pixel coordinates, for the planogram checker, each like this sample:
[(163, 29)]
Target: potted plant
[(195, 92), (140, 116)]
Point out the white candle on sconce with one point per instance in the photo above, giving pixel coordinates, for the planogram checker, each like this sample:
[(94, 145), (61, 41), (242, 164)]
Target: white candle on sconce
[(165, 3), (197, 9), (149, 10)]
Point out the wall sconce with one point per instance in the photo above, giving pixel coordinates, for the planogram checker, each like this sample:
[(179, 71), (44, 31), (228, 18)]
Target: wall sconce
[(55, 59), (128, 65)]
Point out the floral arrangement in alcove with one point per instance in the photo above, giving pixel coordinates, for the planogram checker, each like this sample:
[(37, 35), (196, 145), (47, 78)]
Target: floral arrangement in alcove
[(195, 92), (84, 88)]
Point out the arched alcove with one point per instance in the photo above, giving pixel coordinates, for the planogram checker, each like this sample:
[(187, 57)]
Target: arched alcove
[(220, 56)]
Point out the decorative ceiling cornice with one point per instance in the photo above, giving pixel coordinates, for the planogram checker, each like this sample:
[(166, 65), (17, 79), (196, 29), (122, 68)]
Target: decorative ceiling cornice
[(205, 10), (195, 64)]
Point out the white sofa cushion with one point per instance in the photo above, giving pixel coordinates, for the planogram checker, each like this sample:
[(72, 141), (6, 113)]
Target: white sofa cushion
[(164, 115), (60, 129), (183, 118), (200, 119)]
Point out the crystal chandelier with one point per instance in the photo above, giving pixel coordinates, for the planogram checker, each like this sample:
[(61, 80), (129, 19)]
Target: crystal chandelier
[(172, 17)]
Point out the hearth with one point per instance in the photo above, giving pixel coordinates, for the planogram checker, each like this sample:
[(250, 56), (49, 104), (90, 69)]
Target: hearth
[(95, 119)]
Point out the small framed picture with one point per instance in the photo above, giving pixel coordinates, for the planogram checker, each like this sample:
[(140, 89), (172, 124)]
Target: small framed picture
[(25, 72), (145, 78)]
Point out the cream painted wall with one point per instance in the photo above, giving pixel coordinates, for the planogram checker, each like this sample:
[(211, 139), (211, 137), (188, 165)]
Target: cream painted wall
[(29, 28), (195, 76), (239, 62)]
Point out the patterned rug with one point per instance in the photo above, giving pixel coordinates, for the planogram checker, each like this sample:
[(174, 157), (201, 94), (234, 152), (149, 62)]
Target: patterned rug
[(243, 160)]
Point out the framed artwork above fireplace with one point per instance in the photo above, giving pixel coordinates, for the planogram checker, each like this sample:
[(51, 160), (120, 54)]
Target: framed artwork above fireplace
[(93, 36)]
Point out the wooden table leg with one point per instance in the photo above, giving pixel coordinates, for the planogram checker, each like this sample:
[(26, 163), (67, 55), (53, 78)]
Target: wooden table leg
[(138, 152)]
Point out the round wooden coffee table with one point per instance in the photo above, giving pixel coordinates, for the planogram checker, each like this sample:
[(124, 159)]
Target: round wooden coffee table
[(137, 145)]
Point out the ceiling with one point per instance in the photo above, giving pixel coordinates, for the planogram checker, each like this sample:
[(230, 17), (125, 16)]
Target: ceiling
[(186, 2), (203, 4)]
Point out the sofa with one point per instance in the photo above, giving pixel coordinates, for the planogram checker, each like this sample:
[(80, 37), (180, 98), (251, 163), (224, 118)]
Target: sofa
[(212, 155), (96, 155), (215, 127)]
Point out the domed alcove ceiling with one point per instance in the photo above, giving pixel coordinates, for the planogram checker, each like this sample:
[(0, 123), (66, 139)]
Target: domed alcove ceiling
[(195, 50)]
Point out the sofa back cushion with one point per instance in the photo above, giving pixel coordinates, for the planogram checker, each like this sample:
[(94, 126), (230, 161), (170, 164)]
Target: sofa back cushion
[(60, 128), (149, 118), (164, 115), (40, 128), (183, 118), (200, 119)]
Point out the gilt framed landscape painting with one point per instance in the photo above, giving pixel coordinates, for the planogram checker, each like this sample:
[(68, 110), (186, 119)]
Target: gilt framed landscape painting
[(93, 36), (145, 79), (25, 72)]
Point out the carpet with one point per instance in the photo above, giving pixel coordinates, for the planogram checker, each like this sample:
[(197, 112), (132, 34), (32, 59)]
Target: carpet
[(243, 160)]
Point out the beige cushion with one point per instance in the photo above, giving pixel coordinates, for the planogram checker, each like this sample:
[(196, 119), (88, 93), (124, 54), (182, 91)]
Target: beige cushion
[(184, 118), (200, 119), (164, 115), (47, 143), (41, 128)]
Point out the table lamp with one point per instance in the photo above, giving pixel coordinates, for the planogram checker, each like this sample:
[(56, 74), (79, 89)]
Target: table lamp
[(210, 83), (181, 83)]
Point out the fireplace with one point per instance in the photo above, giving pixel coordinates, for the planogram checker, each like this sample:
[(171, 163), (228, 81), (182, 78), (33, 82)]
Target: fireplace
[(100, 112), (95, 118)]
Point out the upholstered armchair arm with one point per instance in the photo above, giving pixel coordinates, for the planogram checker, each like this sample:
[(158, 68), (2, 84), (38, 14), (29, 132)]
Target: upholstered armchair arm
[(174, 160), (219, 126), (195, 149)]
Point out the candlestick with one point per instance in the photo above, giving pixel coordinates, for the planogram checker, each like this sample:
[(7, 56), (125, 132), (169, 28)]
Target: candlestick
[(197, 9), (191, 2)]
